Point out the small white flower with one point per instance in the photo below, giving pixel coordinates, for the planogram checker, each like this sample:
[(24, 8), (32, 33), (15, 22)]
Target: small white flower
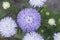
[(33, 36), (38, 3), (56, 36), (51, 21), (7, 27), (6, 5)]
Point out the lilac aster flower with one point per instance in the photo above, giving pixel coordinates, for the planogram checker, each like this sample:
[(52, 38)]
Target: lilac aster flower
[(29, 19), (56, 36), (33, 36), (37, 3), (7, 27)]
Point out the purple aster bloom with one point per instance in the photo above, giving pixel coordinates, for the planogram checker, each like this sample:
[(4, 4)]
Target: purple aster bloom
[(29, 19)]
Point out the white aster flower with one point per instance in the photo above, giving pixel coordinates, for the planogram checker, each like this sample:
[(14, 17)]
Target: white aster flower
[(7, 32), (7, 27), (6, 5), (56, 36), (38, 3), (33, 36), (51, 21)]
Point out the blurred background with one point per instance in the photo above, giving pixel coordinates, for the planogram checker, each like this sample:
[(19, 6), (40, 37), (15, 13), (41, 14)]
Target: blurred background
[(51, 9)]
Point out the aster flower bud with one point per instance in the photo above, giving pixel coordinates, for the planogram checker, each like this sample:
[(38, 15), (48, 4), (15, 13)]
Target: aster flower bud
[(6, 5), (51, 21)]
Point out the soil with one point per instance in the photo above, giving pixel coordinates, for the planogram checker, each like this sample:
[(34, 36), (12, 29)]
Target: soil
[(53, 4)]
